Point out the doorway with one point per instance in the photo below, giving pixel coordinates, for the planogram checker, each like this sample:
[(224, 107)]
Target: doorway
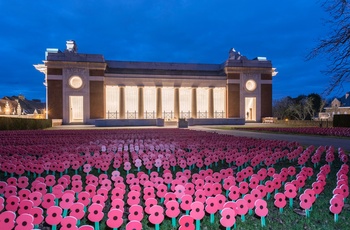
[(76, 111), (250, 109)]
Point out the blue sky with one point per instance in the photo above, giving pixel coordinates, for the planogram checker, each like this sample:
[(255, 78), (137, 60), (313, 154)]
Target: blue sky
[(189, 31)]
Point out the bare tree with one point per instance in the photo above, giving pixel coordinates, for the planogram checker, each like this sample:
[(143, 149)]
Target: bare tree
[(336, 45)]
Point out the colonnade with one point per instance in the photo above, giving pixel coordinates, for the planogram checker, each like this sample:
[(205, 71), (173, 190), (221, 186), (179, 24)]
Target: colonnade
[(159, 109)]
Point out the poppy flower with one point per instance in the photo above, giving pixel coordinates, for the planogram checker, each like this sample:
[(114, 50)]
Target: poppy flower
[(23, 194), (135, 213), (115, 218), (57, 190), (36, 198), (228, 182), (261, 208), (234, 193), (10, 190), (186, 202), (243, 187), (87, 168), (134, 225), (25, 206), (172, 209), (148, 193), (305, 201), (37, 213), (200, 196), (169, 196), (336, 205), (254, 182), (280, 200), (197, 210), (48, 200), (186, 223), (211, 205), (23, 182), (118, 204), (179, 191), (77, 210), (98, 199), (24, 222), (95, 212), (50, 180), (67, 200), (77, 186), (242, 207), (228, 217), (312, 195), (12, 203), (133, 198), (7, 220), (199, 183), (84, 198), (149, 204), (156, 214), (189, 188), (69, 223), (290, 190), (53, 215)]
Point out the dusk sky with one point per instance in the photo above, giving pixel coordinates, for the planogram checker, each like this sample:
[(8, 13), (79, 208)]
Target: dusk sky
[(187, 31)]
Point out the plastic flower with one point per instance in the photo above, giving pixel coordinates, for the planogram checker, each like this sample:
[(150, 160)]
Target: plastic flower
[(186, 202), (12, 203), (250, 200), (98, 199), (36, 198), (77, 210), (84, 198), (290, 191), (134, 225), (135, 213), (336, 204), (221, 199), (53, 215), (25, 222), (172, 209), (69, 223), (37, 213), (280, 200), (22, 182), (186, 223), (115, 218), (148, 193), (169, 196), (149, 204), (261, 208), (189, 188), (67, 200), (23, 194), (48, 200), (197, 210), (242, 207), (305, 201), (133, 198), (7, 220), (243, 187), (179, 191), (200, 196), (228, 217), (211, 205), (95, 212), (234, 192), (156, 214)]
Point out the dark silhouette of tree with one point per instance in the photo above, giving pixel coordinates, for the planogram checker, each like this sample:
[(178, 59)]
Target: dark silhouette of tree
[(336, 45)]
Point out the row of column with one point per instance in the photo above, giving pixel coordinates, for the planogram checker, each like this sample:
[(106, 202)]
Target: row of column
[(159, 102)]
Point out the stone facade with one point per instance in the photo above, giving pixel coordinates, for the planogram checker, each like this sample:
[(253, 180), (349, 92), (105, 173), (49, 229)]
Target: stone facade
[(84, 87), (339, 106)]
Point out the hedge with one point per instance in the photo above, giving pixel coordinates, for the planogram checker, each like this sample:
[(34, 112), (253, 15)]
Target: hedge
[(9, 123)]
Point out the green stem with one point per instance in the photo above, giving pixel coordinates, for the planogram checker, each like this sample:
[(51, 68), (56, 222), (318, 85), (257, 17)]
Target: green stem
[(65, 211), (335, 217), (243, 218), (281, 210), (212, 218), (198, 224), (250, 212), (291, 202), (97, 225), (173, 222), (54, 227), (157, 226)]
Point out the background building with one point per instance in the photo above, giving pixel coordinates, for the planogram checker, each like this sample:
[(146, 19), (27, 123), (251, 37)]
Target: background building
[(84, 88)]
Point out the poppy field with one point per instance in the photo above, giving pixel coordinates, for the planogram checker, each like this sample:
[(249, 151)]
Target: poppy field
[(168, 179)]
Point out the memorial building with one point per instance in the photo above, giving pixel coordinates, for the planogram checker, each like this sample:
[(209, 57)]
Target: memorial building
[(87, 89)]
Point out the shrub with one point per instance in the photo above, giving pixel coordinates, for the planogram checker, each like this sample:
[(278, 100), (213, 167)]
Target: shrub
[(9, 123)]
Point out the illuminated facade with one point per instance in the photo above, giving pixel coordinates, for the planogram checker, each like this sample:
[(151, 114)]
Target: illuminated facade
[(84, 88)]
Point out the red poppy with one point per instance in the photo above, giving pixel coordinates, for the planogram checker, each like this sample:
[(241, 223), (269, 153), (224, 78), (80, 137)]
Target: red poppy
[(10, 190), (48, 200), (98, 199), (37, 213), (115, 218), (84, 198), (242, 207), (189, 188), (243, 187), (290, 191), (172, 209), (25, 206), (95, 212), (234, 193), (200, 196), (24, 222), (7, 220), (169, 196), (228, 182), (161, 190), (254, 182), (133, 198), (156, 214), (50, 180), (197, 210), (23, 182), (67, 200), (149, 204), (199, 183), (77, 210), (228, 217), (77, 186), (23, 194), (135, 213), (186, 223), (57, 190), (280, 200), (69, 223), (305, 201), (261, 208), (336, 204), (134, 225), (312, 195), (36, 198), (148, 193), (53, 215)]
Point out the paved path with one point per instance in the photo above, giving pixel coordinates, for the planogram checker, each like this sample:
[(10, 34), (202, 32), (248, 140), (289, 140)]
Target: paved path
[(301, 139)]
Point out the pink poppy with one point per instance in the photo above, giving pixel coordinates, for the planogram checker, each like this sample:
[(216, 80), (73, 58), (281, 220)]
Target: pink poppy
[(23, 194), (305, 201), (48, 200), (57, 190), (200, 196), (7, 220), (199, 183), (172, 209), (95, 212), (179, 191), (24, 222), (149, 204), (77, 186), (134, 225), (50, 180), (336, 205), (290, 191), (135, 213), (211, 205), (133, 198), (117, 193), (261, 208), (280, 200), (186, 202), (12, 203), (197, 210), (91, 189), (242, 207), (148, 193), (243, 187), (77, 210), (156, 214), (84, 198), (1, 203), (115, 218), (186, 223), (250, 201), (228, 217), (230, 204), (169, 196), (67, 200), (25, 206), (87, 168), (221, 199), (254, 182), (53, 215), (37, 213), (23, 182), (69, 223), (10, 190), (234, 192), (98, 199), (36, 198), (118, 204)]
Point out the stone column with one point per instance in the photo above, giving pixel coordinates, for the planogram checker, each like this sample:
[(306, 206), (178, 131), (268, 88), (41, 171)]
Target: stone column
[(176, 103), (122, 102), (211, 103), (159, 102), (140, 103), (194, 103)]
